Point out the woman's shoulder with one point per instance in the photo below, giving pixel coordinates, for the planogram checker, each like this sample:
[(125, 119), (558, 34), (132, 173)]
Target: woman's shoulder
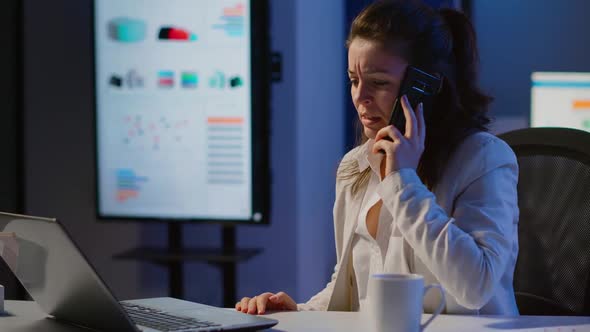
[(481, 152), (349, 165), (487, 144), (353, 154)]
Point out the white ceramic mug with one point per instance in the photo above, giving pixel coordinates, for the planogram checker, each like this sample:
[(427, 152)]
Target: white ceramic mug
[(395, 302)]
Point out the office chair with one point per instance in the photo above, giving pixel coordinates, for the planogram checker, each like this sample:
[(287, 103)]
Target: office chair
[(552, 275)]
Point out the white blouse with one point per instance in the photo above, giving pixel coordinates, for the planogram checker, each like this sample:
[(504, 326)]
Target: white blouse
[(463, 234), (375, 255)]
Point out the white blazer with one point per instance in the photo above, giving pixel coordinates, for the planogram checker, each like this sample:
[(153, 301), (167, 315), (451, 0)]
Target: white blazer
[(464, 235)]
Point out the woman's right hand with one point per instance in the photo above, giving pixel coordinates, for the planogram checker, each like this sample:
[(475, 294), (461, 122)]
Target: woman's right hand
[(260, 303)]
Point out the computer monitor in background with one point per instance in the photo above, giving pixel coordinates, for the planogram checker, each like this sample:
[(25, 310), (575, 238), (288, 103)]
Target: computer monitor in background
[(560, 99), (181, 90)]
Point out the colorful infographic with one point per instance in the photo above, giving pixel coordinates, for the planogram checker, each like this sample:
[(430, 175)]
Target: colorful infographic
[(173, 103)]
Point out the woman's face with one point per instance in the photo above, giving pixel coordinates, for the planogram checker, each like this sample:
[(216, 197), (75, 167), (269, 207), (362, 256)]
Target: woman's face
[(375, 77)]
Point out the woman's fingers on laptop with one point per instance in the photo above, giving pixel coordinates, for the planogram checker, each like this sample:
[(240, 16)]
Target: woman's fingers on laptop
[(252, 305), (243, 305), (282, 301), (262, 301)]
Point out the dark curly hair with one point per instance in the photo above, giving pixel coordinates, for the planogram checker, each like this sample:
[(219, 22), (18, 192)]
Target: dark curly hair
[(441, 42)]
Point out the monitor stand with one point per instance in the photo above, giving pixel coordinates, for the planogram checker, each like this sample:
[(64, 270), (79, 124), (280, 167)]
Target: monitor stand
[(175, 255)]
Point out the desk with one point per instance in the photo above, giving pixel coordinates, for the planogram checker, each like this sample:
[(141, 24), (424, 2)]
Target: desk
[(351, 321), (26, 316)]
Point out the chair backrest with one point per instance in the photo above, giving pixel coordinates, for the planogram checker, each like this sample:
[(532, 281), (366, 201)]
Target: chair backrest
[(552, 275)]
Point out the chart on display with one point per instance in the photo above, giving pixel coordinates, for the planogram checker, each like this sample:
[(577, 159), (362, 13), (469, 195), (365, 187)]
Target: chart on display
[(560, 99), (174, 109)]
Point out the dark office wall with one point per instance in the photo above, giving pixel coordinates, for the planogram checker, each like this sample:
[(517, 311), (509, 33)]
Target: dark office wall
[(519, 37), (319, 113), (9, 105), (10, 129), (58, 120)]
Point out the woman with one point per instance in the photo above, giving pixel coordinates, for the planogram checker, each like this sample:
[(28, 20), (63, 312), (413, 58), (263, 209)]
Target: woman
[(441, 201)]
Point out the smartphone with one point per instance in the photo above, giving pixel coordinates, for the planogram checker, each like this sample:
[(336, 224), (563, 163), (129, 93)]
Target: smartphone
[(420, 87)]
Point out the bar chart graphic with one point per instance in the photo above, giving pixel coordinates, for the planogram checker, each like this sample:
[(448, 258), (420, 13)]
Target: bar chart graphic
[(128, 184), (225, 151), (166, 79), (232, 21)]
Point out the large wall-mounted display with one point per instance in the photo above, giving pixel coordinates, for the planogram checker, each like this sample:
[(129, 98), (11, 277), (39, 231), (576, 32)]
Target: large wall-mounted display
[(181, 110)]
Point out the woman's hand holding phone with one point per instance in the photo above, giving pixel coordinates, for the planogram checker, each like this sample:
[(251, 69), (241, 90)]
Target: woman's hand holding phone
[(259, 304), (403, 151)]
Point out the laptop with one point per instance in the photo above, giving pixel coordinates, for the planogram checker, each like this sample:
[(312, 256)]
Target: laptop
[(60, 279)]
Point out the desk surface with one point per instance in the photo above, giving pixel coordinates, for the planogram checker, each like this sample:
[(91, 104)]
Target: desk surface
[(26, 316)]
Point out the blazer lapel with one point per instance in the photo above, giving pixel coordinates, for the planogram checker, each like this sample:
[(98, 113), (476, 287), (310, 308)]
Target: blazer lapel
[(342, 292)]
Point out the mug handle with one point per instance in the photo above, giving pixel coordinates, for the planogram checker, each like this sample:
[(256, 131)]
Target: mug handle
[(440, 306)]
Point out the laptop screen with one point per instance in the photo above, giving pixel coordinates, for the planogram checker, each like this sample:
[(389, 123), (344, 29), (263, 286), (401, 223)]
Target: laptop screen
[(56, 274)]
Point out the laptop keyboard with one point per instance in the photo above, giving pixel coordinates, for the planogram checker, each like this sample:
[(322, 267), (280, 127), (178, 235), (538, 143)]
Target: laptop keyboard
[(159, 320)]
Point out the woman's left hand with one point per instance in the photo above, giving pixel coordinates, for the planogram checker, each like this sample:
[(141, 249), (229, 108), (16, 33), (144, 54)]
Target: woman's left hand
[(404, 151)]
